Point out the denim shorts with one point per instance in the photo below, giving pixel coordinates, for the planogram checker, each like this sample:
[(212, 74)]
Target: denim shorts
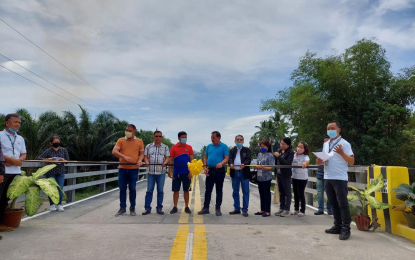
[(178, 179)]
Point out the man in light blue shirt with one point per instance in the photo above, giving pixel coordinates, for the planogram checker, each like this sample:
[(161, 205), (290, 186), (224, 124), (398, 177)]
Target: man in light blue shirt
[(336, 177), (217, 154)]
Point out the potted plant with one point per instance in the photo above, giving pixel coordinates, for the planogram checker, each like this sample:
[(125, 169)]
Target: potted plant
[(362, 219), (31, 187), (406, 193)]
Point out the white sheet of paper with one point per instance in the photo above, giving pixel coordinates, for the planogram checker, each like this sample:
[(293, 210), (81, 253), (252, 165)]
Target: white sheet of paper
[(322, 155)]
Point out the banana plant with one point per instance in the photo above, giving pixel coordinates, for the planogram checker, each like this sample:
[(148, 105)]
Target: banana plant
[(365, 199), (31, 187)]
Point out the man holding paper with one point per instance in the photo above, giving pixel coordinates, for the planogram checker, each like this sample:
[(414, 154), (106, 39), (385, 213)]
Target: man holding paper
[(338, 154)]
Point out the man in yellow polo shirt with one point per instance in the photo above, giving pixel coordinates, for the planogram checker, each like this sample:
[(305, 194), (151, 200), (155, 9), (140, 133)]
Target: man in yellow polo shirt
[(129, 149)]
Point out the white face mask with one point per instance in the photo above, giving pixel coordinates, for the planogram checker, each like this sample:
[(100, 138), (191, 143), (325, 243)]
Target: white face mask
[(128, 134)]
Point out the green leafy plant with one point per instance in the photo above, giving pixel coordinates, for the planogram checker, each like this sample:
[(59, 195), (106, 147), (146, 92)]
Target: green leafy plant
[(31, 187), (365, 199), (406, 193)]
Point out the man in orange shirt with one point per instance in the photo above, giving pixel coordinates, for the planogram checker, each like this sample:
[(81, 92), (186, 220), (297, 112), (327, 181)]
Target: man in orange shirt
[(129, 149)]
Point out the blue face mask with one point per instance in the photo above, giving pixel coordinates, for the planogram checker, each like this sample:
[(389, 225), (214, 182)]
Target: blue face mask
[(12, 130), (263, 150), (183, 140), (332, 133), (239, 144)]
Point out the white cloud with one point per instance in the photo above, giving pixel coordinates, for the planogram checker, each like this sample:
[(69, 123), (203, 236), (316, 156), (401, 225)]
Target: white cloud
[(15, 67)]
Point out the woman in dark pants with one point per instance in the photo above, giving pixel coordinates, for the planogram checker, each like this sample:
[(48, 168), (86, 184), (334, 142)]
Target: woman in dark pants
[(284, 156), (56, 152), (264, 177)]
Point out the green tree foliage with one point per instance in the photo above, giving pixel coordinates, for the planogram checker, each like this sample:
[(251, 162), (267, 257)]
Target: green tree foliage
[(85, 139), (358, 89)]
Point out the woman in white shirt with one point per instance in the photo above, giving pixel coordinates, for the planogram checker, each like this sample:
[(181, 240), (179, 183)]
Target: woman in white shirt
[(300, 177)]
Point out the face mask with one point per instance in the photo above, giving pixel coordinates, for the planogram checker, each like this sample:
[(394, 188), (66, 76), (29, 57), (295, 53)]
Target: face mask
[(56, 145), (183, 140), (263, 150), (239, 144), (332, 133), (128, 134), (12, 130), (300, 150)]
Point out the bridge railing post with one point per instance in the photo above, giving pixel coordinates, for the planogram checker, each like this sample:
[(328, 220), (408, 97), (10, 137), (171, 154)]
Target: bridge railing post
[(70, 194), (102, 186), (310, 196)]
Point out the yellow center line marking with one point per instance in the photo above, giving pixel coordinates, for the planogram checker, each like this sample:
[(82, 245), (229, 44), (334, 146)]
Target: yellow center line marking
[(178, 250), (198, 219), (184, 217), (199, 243)]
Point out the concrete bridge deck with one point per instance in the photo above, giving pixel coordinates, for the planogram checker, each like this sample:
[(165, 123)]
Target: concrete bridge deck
[(89, 230)]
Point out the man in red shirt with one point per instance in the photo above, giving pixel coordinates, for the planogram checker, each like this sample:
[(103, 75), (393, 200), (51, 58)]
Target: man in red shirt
[(180, 154)]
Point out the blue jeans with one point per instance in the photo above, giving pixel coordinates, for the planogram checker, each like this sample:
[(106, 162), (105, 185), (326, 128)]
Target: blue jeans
[(238, 180), (152, 179), (320, 196), (60, 179), (130, 177)]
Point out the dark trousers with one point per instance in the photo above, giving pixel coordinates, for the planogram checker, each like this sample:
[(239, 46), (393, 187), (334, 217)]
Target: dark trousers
[(284, 186), (264, 188), (8, 178), (216, 177), (299, 195), (336, 191)]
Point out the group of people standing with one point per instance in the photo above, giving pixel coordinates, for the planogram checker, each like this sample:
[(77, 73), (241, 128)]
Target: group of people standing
[(332, 178), (157, 156)]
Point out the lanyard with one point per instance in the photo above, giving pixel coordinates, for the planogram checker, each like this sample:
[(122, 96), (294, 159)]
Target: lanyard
[(334, 145), (12, 142)]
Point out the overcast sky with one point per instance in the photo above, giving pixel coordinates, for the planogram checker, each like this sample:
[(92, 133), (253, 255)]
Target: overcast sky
[(196, 66)]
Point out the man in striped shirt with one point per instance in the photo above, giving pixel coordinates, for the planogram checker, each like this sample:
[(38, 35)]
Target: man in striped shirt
[(156, 156)]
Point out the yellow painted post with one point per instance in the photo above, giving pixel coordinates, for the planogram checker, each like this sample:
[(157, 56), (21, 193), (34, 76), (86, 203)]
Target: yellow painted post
[(393, 176), (396, 176)]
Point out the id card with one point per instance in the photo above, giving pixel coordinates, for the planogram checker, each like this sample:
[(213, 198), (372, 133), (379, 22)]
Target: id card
[(259, 173)]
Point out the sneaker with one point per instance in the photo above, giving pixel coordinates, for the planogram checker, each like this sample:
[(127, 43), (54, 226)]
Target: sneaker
[(344, 234), (285, 213), (160, 212), (120, 212), (52, 207), (329, 212), (217, 212), (334, 230), (245, 214), (295, 212), (187, 210), (235, 212), (60, 208), (319, 212), (174, 210), (203, 212), (132, 211), (146, 212), (278, 213), (4, 228), (301, 214)]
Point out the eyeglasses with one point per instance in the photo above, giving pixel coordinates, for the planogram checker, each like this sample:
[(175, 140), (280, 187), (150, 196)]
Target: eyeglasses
[(158, 136)]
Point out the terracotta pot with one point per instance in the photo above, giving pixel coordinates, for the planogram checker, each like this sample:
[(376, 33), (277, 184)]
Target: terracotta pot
[(12, 217), (410, 219), (362, 222)]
